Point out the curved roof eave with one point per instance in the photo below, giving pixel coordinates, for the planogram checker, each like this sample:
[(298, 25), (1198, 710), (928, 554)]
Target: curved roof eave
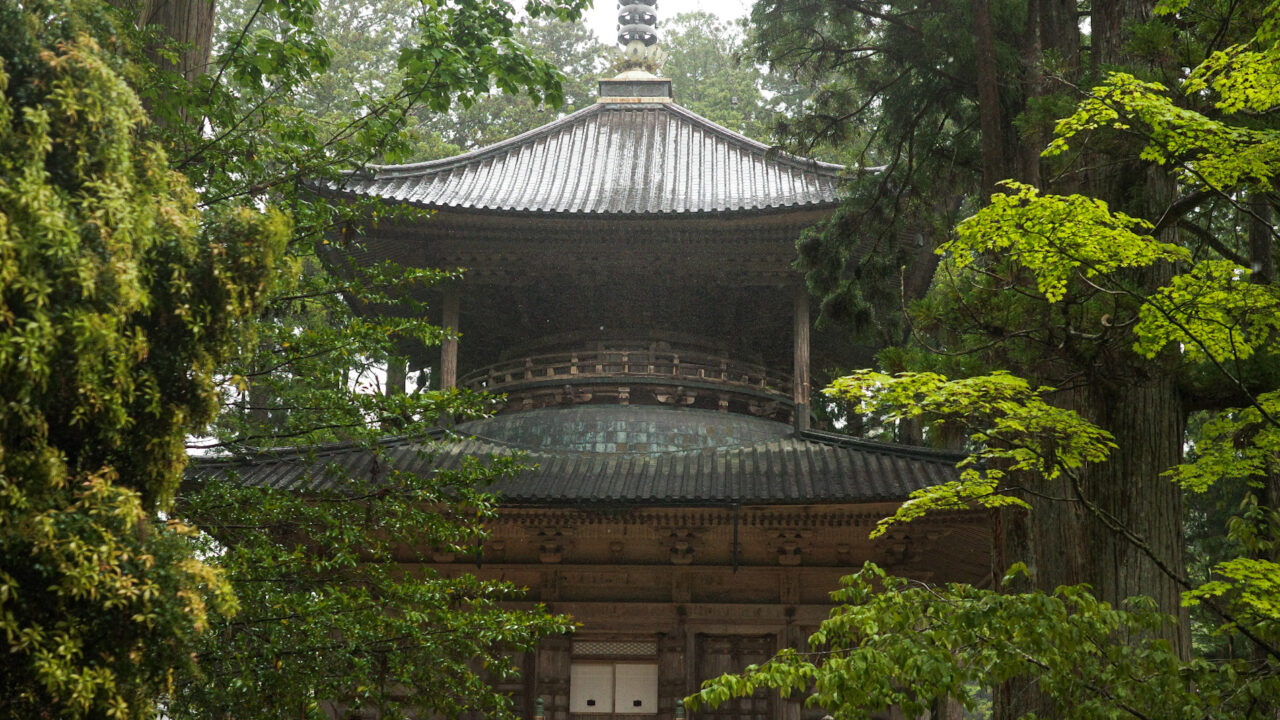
[(811, 468), (601, 215)]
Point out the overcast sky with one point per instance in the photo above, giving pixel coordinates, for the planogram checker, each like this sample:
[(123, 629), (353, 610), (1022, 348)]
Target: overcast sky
[(603, 18)]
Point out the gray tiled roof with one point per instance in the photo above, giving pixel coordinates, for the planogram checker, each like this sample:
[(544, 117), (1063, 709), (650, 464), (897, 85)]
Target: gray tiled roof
[(813, 468), (610, 158)]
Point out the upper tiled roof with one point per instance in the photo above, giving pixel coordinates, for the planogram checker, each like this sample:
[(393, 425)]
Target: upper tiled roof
[(612, 157), (813, 468)]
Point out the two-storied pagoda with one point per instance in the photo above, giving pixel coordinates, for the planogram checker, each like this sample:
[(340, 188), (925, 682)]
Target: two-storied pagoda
[(630, 290)]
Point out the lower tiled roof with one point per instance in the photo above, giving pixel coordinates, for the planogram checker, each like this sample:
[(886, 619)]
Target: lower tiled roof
[(812, 467)]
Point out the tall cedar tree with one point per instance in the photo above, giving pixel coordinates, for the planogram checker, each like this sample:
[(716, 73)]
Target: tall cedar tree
[(958, 95), (1044, 282)]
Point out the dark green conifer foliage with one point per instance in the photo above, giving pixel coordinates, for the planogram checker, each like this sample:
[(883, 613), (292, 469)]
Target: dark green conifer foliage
[(1133, 325)]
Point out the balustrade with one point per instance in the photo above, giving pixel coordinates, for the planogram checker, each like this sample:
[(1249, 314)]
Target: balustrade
[(674, 366)]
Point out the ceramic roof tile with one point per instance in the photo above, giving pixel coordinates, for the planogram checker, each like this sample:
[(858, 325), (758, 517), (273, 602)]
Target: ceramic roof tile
[(610, 158), (812, 468)]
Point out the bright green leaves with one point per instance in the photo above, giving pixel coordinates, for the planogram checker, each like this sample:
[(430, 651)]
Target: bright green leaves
[(103, 261), (894, 642), (1057, 238), (116, 303), (1063, 287), (146, 597), (1237, 446), (1252, 585), (976, 488), (1245, 77), (1205, 152), (1011, 430), (1245, 81), (1238, 452), (1213, 311)]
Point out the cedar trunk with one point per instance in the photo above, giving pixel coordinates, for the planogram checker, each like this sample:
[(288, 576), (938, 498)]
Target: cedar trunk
[(1133, 543), (189, 24), (1118, 525), (994, 165)]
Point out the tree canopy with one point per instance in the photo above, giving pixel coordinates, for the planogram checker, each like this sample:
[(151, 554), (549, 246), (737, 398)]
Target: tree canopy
[(163, 260), (1122, 327), (119, 301)]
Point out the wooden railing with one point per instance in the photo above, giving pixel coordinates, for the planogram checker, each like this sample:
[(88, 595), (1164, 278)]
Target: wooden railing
[(673, 366)]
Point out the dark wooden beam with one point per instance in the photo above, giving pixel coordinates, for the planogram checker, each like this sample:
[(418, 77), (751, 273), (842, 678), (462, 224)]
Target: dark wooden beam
[(397, 374), (449, 345), (800, 368)]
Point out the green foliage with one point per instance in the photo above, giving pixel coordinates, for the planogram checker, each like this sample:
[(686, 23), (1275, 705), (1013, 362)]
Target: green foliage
[(311, 370), (891, 92), (1211, 312), (1244, 76), (1236, 445), (1055, 238), (100, 603), (896, 643), (1254, 588), (332, 617), (118, 302), (711, 75), (1205, 151), (337, 610), (1012, 430), (571, 48), (1065, 286), (1238, 448), (128, 298), (270, 102)]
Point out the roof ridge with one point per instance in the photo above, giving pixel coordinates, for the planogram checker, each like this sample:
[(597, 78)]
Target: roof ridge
[(773, 152), (830, 438), (410, 169), (770, 151)]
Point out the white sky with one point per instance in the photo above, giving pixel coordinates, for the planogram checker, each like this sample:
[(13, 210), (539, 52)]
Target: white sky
[(603, 17)]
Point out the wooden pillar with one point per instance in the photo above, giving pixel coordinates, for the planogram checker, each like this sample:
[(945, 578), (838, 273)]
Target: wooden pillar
[(800, 366), (397, 373), (449, 345)]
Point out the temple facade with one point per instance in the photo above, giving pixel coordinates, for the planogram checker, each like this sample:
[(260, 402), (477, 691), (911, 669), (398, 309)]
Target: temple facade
[(629, 291)]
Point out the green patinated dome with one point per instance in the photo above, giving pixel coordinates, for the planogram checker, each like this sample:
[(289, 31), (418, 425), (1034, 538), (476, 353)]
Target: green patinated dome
[(624, 429)]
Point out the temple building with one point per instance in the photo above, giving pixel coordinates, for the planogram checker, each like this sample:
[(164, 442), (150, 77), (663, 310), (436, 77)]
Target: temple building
[(629, 289)]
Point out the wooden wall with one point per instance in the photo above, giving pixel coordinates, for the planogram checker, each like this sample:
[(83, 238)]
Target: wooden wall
[(705, 604)]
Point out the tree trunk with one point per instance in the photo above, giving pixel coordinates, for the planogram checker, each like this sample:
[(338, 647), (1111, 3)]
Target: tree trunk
[(1261, 247), (1119, 528), (1133, 514), (188, 24), (994, 165), (1051, 38)]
